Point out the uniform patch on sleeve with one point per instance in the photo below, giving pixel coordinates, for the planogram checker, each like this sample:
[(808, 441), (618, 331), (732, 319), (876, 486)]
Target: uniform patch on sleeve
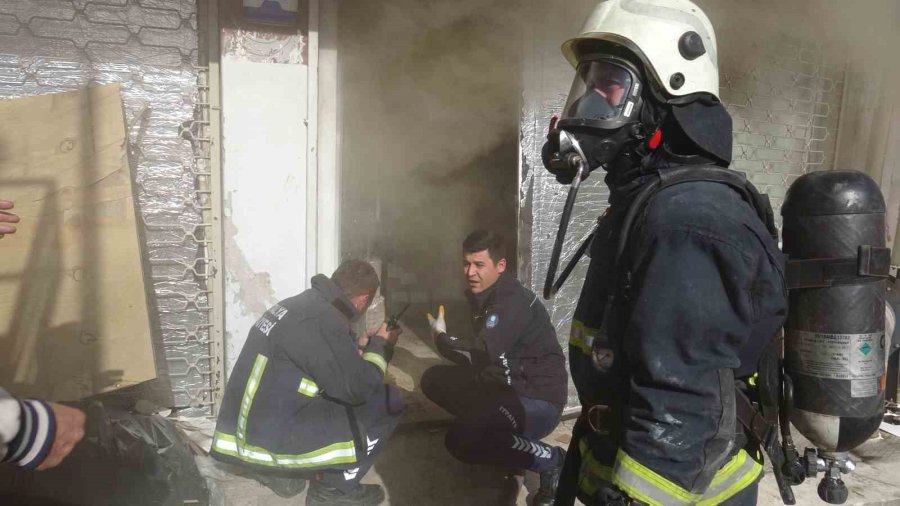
[(492, 321)]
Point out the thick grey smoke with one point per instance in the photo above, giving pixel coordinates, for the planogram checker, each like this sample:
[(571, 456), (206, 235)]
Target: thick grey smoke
[(431, 96)]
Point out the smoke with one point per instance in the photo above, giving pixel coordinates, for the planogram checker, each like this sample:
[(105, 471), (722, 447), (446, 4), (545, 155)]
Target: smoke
[(431, 94), (866, 30), (432, 97)]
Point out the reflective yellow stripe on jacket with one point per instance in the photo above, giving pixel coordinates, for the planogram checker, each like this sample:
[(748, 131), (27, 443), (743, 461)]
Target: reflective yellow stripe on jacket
[(337, 453), (259, 365), (643, 484), (582, 337), (308, 387), (236, 445), (375, 358)]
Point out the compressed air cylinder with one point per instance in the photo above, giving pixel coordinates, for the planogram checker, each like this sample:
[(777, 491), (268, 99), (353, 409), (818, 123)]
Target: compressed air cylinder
[(835, 334)]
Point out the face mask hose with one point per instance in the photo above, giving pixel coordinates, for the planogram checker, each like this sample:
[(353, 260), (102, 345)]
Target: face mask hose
[(571, 156)]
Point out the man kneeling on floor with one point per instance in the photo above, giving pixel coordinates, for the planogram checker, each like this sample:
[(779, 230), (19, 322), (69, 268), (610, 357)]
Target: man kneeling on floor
[(307, 398), (508, 386)]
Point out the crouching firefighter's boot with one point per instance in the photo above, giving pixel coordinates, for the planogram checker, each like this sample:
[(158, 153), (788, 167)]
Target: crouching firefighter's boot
[(549, 480), (361, 495)]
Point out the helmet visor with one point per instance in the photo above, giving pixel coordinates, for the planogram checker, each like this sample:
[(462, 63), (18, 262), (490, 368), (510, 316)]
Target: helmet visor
[(601, 91)]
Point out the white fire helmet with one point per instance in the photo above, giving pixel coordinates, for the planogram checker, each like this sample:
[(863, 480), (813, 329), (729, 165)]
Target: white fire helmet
[(673, 39)]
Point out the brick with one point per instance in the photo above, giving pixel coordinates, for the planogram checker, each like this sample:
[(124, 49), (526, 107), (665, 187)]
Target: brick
[(799, 94), (183, 38), (767, 154), (27, 47), (813, 55), (133, 16), (24, 10), (777, 193), (733, 97), (833, 72), (134, 52), (771, 103), (777, 78), (759, 115), (750, 139), (797, 119), (797, 132), (9, 25), (748, 166), (83, 4), (781, 167), (802, 107), (765, 128), (816, 158), (760, 178), (80, 31), (742, 83), (788, 144), (819, 134), (822, 109), (184, 7), (823, 84)]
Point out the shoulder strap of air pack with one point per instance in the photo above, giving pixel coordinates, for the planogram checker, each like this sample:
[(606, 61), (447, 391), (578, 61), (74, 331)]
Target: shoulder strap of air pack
[(671, 177), (691, 174)]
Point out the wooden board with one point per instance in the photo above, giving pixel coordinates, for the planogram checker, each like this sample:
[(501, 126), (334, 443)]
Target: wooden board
[(73, 304)]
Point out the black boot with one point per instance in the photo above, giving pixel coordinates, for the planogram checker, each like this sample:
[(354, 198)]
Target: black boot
[(281, 485), (363, 495), (549, 479)]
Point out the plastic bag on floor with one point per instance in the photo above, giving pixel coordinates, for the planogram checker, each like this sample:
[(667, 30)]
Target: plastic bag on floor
[(124, 458)]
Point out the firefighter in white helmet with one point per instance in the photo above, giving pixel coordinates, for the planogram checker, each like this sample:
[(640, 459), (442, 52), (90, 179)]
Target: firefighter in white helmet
[(685, 293)]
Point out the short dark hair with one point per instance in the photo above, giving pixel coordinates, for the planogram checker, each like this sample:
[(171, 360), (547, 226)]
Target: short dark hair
[(356, 277), (489, 240)]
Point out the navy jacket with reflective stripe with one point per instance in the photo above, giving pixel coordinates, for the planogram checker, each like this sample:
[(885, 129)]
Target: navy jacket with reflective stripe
[(705, 296), (310, 378)]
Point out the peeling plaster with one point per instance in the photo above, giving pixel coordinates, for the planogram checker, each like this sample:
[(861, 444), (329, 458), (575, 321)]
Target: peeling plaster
[(251, 291), (262, 47), (264, 176)]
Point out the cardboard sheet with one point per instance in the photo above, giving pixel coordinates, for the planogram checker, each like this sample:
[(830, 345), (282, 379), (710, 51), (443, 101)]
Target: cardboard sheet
[(73, 303)]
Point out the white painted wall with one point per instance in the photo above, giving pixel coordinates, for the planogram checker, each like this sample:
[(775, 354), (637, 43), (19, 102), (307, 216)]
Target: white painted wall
[(327, 161), (265, 170), (281, 184)]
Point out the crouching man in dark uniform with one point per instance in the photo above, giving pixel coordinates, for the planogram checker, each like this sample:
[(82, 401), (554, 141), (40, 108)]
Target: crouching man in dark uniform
[(307, 398), (509, 384)]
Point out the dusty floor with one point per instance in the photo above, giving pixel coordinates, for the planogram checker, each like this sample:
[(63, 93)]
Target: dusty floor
[(416, 470)]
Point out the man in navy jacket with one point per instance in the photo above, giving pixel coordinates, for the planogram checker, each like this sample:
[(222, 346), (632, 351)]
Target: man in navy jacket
[(306, 397)]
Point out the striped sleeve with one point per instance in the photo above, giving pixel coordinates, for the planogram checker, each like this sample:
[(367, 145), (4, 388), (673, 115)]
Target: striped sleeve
[(27, 431), (376, 353)]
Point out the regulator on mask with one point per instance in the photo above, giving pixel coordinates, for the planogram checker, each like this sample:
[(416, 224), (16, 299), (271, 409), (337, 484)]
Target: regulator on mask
[(603, 113)]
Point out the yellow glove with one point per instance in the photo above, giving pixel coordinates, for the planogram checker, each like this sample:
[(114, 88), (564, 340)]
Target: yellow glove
[(438, 325)]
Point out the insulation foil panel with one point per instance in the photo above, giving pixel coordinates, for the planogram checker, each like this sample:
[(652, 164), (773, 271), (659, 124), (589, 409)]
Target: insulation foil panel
[(150, 48)]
